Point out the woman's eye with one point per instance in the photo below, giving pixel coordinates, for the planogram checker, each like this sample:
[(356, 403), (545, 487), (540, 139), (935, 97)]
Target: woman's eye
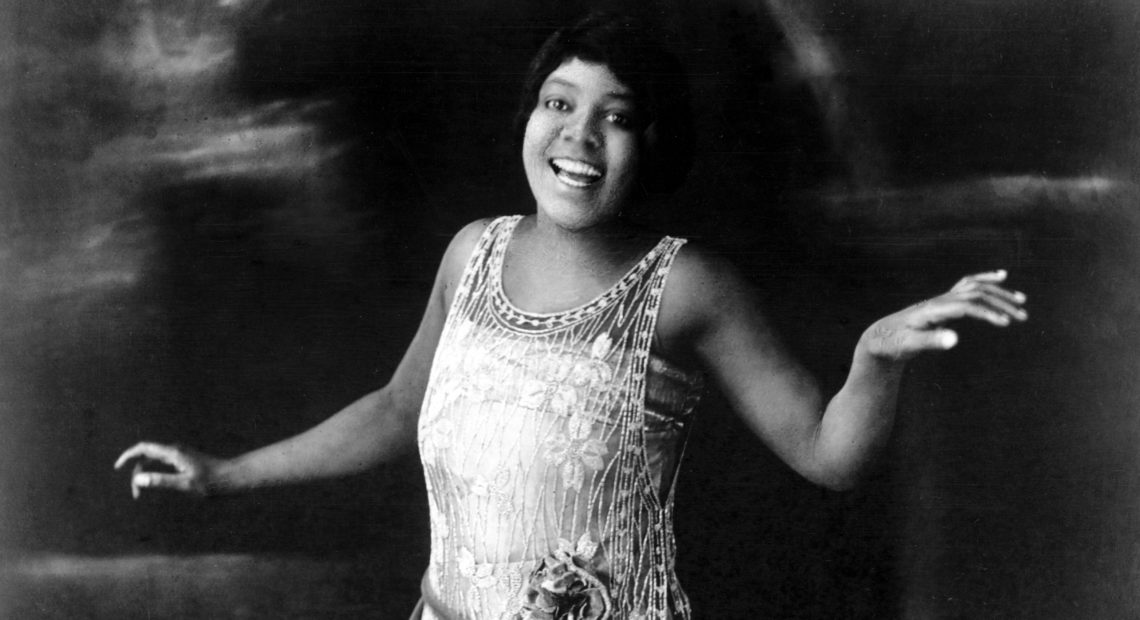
[(621, 120), (557, 104)]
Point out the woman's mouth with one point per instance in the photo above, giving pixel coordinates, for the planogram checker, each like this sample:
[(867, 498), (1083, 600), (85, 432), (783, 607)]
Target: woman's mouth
[(575, 173)]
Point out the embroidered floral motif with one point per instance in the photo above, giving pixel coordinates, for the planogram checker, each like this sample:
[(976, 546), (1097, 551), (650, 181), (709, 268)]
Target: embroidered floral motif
[(561, 381), (573, 456), (578, 426), (548, 395), (591, 373), (481, 575), (498, 489), (466, 371), (602, 345), (485, 576), (471, 378), (567, 586), (481, 384), (512, 582), (584, 549)]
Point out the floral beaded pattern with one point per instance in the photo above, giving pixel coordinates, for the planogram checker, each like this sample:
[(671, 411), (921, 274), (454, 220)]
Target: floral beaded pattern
[(534, 433)]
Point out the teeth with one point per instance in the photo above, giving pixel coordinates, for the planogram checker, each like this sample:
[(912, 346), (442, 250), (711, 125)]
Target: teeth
[(574, 166), (572, 182)]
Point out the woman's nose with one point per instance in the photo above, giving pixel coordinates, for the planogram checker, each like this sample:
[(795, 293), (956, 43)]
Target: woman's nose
[(580, 128)]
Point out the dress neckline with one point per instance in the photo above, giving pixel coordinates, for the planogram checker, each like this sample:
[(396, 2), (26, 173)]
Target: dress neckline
[(606, 297)]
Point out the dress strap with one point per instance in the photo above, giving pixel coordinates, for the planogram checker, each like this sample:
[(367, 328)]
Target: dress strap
[(478, 268)]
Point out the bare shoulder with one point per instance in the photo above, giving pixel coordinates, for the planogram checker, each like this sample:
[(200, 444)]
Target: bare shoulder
[(702, 282), (463, 243), (456, 256), (703, 289), (700, 270)]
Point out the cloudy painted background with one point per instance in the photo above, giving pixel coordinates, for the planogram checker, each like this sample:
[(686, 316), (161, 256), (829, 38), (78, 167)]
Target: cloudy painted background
[(219, 220)]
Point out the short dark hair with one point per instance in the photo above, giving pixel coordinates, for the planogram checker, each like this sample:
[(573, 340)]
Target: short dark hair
[(635, 52)]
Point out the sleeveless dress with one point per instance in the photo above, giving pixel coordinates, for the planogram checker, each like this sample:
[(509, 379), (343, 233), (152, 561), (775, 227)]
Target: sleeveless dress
[(550, 444)]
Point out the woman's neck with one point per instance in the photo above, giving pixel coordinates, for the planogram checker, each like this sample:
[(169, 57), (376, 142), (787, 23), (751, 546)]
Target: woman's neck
[(549, 268), (610, 242)]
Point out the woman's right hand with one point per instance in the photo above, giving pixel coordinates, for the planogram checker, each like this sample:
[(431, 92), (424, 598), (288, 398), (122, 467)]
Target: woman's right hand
[(194, 472)]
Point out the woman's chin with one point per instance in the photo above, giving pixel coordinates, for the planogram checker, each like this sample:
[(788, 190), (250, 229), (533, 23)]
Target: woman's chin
[(577, 219), (578, 212)]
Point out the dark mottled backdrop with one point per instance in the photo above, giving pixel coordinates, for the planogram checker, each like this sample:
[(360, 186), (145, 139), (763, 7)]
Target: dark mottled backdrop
[(219, 220)]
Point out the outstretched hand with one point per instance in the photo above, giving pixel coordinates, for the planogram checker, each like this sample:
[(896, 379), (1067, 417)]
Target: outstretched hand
[(193, 471), (921, 327)]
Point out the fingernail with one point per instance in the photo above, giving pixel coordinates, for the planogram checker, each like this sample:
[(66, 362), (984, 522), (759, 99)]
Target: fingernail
[(141, 480), (1019, 296), (949, 339)]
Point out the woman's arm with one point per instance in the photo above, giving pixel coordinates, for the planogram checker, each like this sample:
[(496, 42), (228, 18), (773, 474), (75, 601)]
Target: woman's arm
[(710, 313), (372, 430)]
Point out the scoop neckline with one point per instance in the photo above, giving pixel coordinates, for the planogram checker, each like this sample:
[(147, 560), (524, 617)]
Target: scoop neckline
[(503, 240)]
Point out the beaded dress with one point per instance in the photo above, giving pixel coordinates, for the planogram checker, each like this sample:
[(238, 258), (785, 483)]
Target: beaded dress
[(550, 445)]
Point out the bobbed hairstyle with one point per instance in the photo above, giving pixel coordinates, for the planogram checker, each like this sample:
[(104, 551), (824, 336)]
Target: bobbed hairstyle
[(635, 52)]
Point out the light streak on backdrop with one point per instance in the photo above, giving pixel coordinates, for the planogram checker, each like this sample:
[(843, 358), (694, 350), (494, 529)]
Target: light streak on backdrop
[(818, 62)]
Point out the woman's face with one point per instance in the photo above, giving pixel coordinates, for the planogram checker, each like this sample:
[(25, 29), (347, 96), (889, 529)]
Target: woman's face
[(580, 149)]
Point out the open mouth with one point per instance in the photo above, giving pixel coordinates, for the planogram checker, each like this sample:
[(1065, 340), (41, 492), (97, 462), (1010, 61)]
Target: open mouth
[(575, 173)]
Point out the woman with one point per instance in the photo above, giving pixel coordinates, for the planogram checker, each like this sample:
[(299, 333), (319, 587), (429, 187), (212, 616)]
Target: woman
[(552, 378)]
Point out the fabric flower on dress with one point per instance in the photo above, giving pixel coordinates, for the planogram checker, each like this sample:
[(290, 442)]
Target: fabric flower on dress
[(573, 456), (566, 586)]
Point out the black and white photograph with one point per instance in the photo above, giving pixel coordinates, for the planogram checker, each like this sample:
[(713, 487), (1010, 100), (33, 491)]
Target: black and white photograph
[(574, 310)]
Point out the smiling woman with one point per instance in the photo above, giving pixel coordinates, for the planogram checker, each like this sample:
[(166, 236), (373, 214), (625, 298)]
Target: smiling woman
[(551, 384), (581, 150), (646, 91)]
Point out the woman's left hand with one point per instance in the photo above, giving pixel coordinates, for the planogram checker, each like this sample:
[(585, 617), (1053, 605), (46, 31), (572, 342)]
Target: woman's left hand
[(921, 327)]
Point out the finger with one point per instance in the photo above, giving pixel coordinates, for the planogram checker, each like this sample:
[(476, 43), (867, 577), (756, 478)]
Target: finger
[(991, 300), (1001, 303), (1014, 297), (911, 342), (969, 281), (156, 480), (944, 310), (154, 451), (134, 474), (940, 339)]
